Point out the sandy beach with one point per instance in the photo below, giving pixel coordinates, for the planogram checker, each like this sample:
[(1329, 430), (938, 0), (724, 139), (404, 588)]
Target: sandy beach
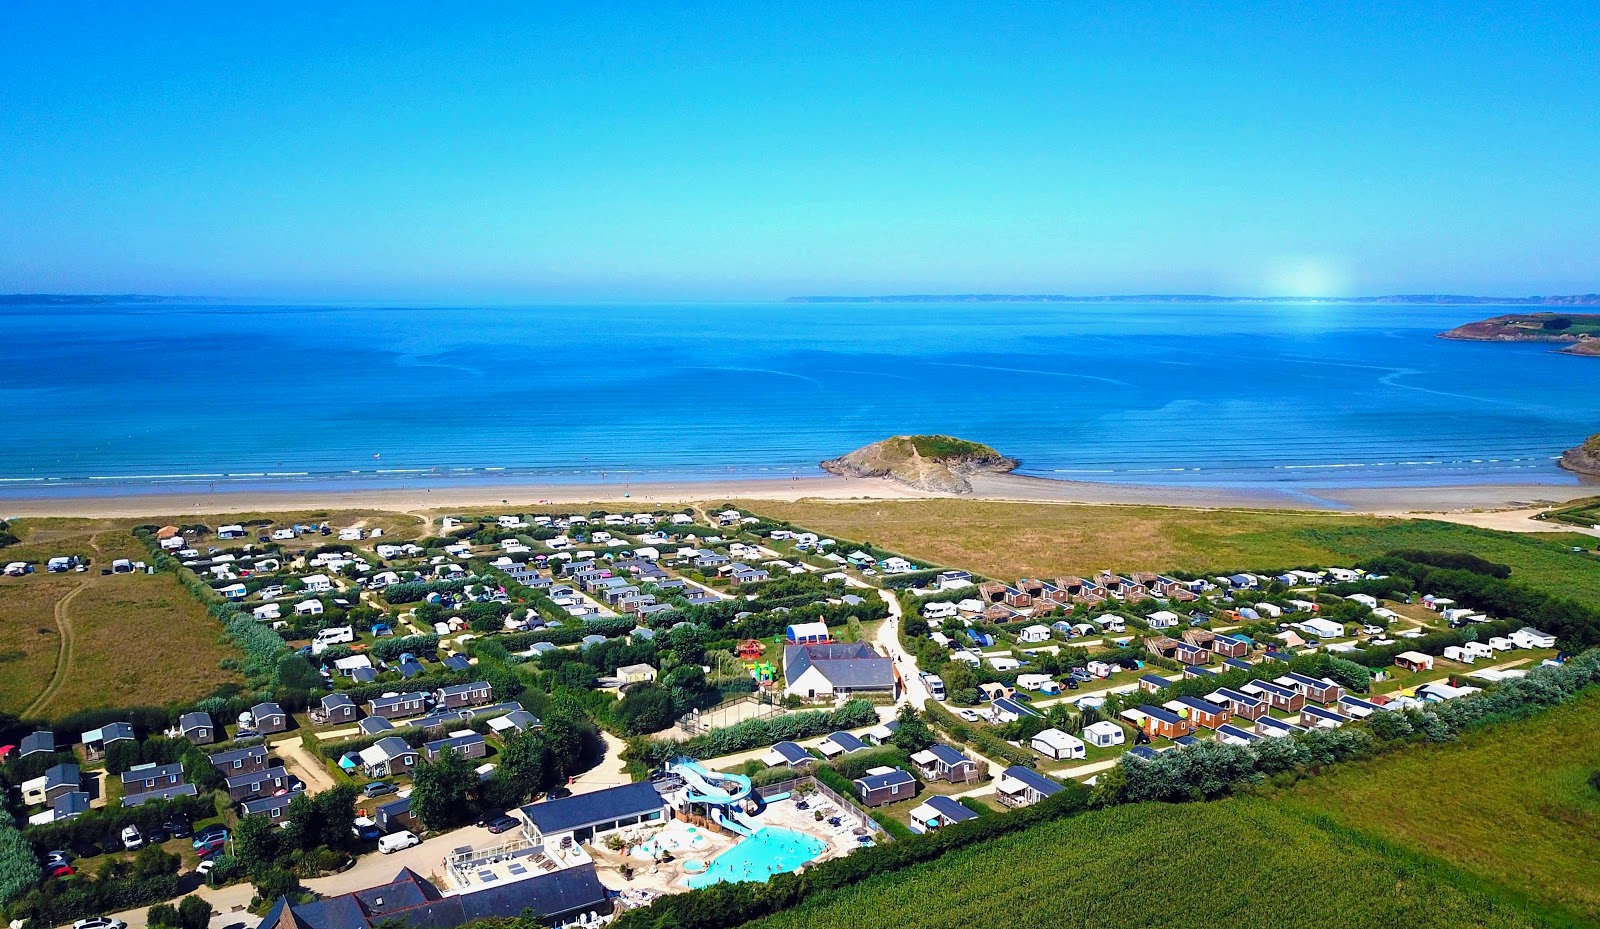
[(1461, 499)]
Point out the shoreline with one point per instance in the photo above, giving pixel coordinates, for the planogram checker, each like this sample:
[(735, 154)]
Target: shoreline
[(1382, 500)]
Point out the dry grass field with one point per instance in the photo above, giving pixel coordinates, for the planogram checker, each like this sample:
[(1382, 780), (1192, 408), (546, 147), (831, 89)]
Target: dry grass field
[(1012, 540), (76, 641)]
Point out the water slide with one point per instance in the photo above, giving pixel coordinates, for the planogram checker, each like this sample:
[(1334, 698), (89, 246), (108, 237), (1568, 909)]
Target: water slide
[(710, 787), (732, 822)]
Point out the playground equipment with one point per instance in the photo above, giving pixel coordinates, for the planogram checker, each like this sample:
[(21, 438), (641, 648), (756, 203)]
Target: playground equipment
[(751, 649), (764, 672)]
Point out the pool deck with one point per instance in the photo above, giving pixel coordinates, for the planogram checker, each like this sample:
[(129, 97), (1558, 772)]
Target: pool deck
[(667, 878)]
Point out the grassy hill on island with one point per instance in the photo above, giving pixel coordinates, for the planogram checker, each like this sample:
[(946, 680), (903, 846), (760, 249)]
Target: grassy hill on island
[(938, 463)]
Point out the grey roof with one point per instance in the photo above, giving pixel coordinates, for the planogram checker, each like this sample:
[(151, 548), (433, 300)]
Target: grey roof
[(336, 701), (249, 751), (42, 741), (947, 753), (266, 709), (1157, 712), (265, 805), (1041, 785), (408, 697), (600, 806), (194, 720), (393, 746), (143, 773), (69, 805), (888, 778), (846, 741), (456, 662), (457, 742), (793, 752), (255, 777), (164, 793), (412, 901), (457, 689), (111, 732), (373, 725), (65, 773), (845, 666), (949, 809), (521, 720)]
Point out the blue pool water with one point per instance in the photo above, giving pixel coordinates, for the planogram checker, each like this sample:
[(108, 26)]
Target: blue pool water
[(770, 851)]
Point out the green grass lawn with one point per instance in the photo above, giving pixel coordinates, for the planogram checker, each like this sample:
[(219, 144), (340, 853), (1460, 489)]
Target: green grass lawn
[(1511, 803), (1012, 540), (1241, 862)]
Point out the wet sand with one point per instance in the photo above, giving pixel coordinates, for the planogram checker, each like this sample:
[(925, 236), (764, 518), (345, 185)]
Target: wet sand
[(1386, 500)]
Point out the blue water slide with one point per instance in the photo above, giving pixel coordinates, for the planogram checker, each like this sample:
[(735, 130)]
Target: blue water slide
[(732, 822), (712, 787)]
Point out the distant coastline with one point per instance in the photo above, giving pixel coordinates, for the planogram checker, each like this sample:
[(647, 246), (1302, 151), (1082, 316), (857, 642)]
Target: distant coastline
[(1577, 333), (1412, 299), (89, 299)]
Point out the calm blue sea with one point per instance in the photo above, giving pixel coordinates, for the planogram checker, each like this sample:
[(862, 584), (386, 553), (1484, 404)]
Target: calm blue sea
[(108, 399)]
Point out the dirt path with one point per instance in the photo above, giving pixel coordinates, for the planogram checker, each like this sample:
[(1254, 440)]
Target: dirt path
[(63, 654), (301, 763)]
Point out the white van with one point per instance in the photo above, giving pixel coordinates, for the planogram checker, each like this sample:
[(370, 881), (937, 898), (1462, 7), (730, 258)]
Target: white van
[(333, 635), (131, 838), (395, 841)]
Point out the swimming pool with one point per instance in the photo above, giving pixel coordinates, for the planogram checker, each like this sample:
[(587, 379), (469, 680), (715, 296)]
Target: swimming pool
[(770, 851)]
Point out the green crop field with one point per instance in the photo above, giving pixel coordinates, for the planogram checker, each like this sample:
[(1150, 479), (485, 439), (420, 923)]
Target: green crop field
[(1011, 540), (1511, 803), (1241, 862)]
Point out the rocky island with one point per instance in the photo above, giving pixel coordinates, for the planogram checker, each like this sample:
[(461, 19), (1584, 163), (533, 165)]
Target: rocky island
[(1584, 459), (938, 463), (1577, 333)]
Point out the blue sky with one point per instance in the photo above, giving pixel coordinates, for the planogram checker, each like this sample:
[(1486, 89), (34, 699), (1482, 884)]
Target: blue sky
[(531, 152)]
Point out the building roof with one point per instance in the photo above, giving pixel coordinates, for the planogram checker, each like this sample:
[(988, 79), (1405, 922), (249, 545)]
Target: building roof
[(1156, 712), (161, 793), (337, 701), (872, 782), (846, 742), (263, 806), (949, 809), (194, 720), (413, 901), (612, 803), (458, 689), (1038, 783), (145, 773), (42, 741), (846, 666), (239, 754), (947, 754), (792, 752)]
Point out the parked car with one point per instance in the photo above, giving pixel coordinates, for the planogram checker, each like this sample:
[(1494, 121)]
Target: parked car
[(204, 868), (211, 848), (157, 835), (967, 715), (211, 834), (64, 870), (395, 841), (366, 829), (132, 838), (501, 824), (180, 828), (99, 922), (379, 789)]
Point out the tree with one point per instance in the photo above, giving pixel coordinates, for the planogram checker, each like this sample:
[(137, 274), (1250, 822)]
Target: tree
[(272, 882), (162, 914), (524, 767), (296, 673), (914, 735), (647, 708), (193, 913), (443, 792), (19, 865), (255, 843)]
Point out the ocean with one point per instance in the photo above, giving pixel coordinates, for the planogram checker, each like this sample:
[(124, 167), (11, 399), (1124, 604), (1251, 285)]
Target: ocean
[(114, 399)]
